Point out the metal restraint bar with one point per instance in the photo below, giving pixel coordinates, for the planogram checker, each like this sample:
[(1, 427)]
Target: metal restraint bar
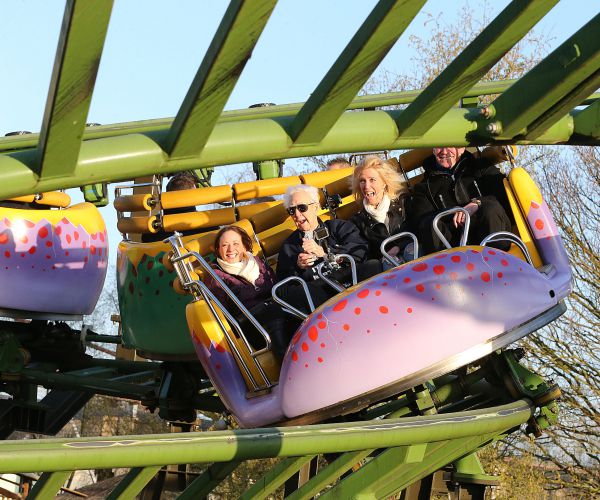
[(288, 307), (465, 233), (332, 265), (394, 261), (506, 236)]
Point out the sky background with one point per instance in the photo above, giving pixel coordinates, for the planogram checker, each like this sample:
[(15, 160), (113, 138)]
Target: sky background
[(154, 47)]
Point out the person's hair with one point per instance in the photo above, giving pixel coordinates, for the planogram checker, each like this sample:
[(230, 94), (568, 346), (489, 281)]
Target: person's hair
[(181, 181), (246, 240), (338, 159), (311, 191), (391, 177)]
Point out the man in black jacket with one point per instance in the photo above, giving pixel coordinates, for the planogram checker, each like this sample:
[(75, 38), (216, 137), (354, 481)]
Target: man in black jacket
[(301, 251), (455, 178)]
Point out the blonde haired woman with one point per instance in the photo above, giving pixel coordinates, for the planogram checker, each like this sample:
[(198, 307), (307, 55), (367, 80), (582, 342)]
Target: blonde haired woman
[(383, 197)]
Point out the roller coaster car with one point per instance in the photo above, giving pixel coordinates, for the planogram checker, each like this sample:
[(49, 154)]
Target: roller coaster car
[(401, 328), (49, 251)]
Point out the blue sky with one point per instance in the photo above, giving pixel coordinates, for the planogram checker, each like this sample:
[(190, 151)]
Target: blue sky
[(153, 49)]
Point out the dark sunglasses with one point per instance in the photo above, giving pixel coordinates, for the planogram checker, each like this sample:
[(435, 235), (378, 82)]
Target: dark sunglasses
[(303, 207)]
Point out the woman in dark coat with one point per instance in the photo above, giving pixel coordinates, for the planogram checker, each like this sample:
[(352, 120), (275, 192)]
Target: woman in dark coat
[(251, 281), (383, 198)]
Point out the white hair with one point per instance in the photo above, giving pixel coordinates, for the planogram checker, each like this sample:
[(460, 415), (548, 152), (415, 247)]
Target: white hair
[(311, 191)]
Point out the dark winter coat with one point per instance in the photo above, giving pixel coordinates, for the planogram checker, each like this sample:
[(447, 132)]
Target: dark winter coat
[(375, 232), (442, 189), (344, 237), (249, 294)]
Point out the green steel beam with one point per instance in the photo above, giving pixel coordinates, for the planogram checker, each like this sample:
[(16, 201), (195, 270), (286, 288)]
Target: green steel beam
[(329, 474), (133, 482), (126, 157), (587, 122), (48, 485), (547, 92), (351, 70), (73, 78), (161, 124), (223, 63), (221, 446), (208, 480), (471, 65), (276, 477), (396, 468)]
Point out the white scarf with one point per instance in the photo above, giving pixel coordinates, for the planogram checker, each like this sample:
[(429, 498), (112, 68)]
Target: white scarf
[(380, 212), (247, 268)]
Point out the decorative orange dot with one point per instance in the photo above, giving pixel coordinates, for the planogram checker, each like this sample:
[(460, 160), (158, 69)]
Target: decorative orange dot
[(320, 359), (470, 266), (438, 286), (378, 293), (363, 293), (313, 333), (539, 224), (346, 327), (322, 325), (48, 243), (304, 346), (357, 310), (383, 310), (409, 310), (485, 276)]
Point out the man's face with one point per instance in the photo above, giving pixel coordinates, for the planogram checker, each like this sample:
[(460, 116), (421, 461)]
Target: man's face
[(447, 157), (305, 221)]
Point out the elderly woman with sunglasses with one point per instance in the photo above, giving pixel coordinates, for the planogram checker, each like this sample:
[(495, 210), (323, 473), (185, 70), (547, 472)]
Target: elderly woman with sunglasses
[(383, 199), (301, 252)]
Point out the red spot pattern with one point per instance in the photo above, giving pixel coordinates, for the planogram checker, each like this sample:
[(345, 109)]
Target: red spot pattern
[(219, 348), (407, 280), (7, 254), (439, 269), (455, 258), (357, 310), (49, 244), (320, 359), (322, 325), (539, 224), (485, 276), (3, 238), (420, 267), (43, 232), (304, 346), (31, 250), (383, 310), (453, 275), (470, 266), (68, 238), (504, 262), (420, 288), (363, 293), (294, 356), (340, 305), (409, 310), (313, 333), (346, 327), (378, 293)]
